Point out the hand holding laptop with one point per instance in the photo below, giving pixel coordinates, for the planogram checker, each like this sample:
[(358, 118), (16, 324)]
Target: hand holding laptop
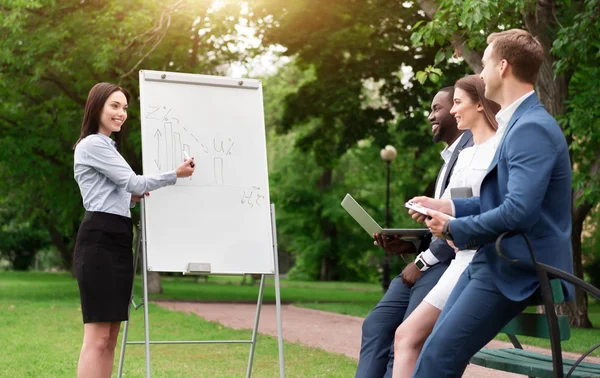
[(368, 224), (394, 245)]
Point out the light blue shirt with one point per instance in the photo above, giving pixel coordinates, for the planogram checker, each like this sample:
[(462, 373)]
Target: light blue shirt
[(105, 179)]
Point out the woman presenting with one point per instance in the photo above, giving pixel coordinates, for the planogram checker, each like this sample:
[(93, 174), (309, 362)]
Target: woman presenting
[(103, 259)]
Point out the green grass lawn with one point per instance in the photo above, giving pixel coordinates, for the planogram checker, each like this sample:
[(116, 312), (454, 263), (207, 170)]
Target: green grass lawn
[(40, 321), (184, 288), (41, 328)]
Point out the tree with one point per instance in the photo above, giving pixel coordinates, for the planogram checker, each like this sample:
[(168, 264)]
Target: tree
[(357, 52), (51, 54), (571, 37), (19, 244), (360, 171)]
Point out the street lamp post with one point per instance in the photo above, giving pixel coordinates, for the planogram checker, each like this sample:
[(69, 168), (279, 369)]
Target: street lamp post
[(388, 154)]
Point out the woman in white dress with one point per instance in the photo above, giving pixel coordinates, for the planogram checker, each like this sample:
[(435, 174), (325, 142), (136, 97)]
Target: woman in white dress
[(476, 113)]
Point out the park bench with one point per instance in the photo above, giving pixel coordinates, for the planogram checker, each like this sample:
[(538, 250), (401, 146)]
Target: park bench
[(548, 326)]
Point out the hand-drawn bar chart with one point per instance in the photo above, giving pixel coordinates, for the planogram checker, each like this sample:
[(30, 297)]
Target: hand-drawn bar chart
[(172, 137)]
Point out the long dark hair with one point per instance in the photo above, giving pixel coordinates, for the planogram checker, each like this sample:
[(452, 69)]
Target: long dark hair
[(93, 107), (475, 89)]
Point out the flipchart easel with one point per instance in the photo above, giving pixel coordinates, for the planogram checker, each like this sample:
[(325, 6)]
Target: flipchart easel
[(141, 248), (191, 112)]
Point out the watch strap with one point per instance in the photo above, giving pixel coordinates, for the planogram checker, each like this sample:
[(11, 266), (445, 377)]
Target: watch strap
[(446, 231), (420, 263)]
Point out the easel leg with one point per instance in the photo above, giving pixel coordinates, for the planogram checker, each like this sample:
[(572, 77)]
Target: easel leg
[(277, 294), (256, 320), (145, 284), (126, 326)]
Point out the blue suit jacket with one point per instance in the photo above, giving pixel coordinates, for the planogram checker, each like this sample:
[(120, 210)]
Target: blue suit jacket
[(527, 189)]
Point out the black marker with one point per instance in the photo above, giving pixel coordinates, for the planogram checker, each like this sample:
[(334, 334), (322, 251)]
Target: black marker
[(187, 157)]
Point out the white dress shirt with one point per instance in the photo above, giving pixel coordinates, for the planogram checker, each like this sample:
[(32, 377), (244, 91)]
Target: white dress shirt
[(503, 116), (446, 156), (446, 153)]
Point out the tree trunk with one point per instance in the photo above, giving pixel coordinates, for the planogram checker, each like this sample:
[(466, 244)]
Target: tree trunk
[(553, 93), (154, 285), (578, 310), (328, 259), (64, 246), (323, 276)]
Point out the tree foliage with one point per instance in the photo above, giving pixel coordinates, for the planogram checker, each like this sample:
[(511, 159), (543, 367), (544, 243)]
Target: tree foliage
[(20, 242), (352, 47), (52, 53), (361, 90), (302, 208)]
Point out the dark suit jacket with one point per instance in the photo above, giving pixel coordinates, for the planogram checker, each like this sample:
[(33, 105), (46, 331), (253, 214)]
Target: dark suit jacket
[(527, 188), (440, 249)]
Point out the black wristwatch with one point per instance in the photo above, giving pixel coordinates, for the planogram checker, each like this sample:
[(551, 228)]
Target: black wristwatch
[(446, 234)]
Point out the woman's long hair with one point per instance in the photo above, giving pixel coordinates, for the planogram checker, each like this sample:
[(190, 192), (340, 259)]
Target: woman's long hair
[(93, 108), (475, 89)]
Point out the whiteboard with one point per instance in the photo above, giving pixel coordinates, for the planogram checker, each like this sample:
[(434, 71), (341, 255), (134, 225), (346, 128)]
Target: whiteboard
[(221, 215)]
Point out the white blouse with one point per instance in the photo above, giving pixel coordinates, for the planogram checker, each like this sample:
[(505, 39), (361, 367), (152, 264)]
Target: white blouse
[(471, 167), (106, 181)]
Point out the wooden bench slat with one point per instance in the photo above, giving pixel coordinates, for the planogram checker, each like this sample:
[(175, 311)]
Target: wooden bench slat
[(540, 358), (529, 363), (536, 325), (587, 365), (524, 368), (513, 366)]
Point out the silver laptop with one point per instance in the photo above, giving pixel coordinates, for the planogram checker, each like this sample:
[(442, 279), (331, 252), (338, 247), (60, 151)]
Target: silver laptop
[(366, 221)]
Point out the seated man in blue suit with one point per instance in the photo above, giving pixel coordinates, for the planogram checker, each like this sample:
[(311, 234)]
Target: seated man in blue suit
[(527, 189), (408, 289)]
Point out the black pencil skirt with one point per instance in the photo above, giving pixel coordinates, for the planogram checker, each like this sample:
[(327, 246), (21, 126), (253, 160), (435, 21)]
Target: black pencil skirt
[(103, 265)]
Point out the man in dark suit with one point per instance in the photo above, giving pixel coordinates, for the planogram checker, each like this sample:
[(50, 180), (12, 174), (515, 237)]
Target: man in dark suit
[(527, 189), (408, 289)]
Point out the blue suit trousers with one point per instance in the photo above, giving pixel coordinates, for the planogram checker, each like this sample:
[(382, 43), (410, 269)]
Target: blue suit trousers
[(474, 314), (378, 329)]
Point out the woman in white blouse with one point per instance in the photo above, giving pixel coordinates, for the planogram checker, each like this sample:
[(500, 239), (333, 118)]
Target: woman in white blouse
[(476, 113), (103, 260)]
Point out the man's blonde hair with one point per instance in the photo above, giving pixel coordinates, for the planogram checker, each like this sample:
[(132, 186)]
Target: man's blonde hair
[(523, 52)]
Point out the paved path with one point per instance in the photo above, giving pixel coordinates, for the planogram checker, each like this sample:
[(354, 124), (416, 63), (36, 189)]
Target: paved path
[(329, 331)]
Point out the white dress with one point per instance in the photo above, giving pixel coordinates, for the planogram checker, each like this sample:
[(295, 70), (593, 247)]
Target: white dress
[(469, 171)]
